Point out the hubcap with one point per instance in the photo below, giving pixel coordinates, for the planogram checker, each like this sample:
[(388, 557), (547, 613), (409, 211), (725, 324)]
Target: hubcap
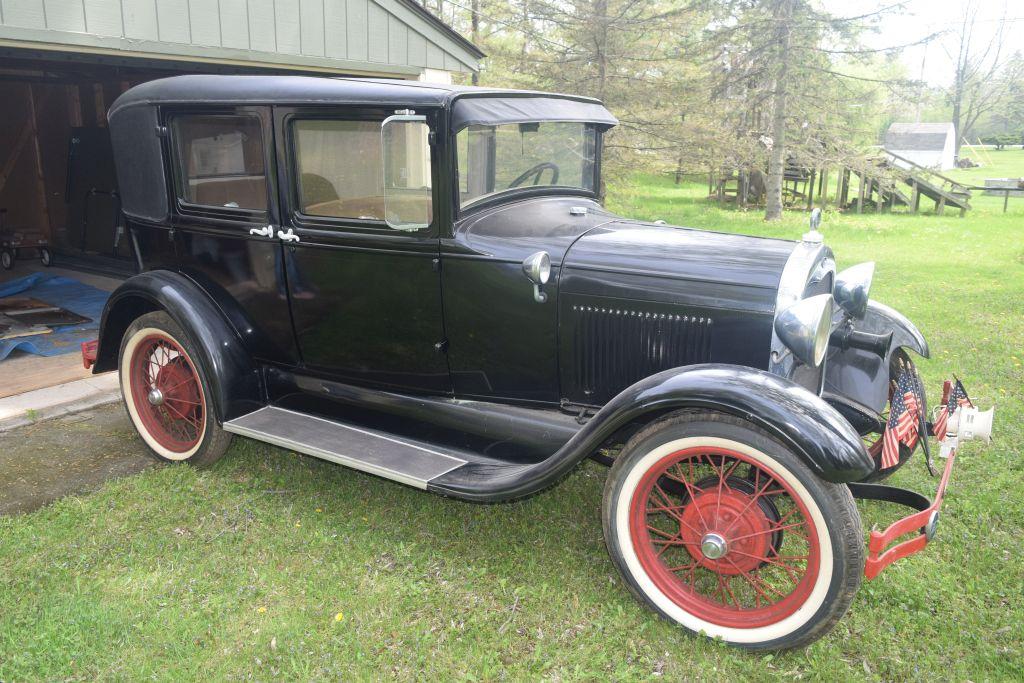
[(713, 546), (156, 397)]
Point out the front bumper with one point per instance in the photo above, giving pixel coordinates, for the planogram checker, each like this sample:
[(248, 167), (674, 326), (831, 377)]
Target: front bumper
[(923, 522)]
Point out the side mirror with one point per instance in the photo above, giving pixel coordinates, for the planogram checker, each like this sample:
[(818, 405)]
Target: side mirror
[(537, 269)]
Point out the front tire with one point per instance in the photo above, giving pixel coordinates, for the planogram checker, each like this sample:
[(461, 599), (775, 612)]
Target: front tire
[(167, 394), (724, 531)]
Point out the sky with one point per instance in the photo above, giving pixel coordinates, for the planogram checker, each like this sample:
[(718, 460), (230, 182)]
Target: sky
[(920, 18)]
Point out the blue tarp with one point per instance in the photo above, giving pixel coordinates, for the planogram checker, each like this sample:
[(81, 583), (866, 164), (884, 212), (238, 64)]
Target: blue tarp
[(65, 292)]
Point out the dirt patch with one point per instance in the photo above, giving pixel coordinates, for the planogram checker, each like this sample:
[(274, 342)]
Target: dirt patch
[(42, 462)]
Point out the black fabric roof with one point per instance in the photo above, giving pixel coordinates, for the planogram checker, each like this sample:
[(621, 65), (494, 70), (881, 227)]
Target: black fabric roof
[(220, 89)]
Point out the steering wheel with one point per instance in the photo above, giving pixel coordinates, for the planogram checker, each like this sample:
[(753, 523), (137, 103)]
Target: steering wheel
[(536, 172)]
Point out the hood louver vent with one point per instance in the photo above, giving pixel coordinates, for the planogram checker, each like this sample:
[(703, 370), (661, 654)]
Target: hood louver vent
[(616, 347)]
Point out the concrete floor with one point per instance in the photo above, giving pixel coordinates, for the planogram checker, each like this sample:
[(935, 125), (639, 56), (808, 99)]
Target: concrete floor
[(68, 455)]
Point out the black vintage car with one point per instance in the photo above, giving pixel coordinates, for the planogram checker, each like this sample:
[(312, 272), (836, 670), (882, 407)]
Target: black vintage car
[(418, 281)]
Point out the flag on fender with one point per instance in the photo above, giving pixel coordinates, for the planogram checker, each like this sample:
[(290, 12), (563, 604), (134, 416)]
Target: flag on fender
[(904, 417)]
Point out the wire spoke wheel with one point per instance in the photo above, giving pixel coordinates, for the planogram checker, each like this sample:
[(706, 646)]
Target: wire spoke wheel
[(167, 394), (725, 537)]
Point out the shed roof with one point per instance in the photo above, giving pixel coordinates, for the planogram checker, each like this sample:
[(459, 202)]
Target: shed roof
[(370, 37), (918, 136)]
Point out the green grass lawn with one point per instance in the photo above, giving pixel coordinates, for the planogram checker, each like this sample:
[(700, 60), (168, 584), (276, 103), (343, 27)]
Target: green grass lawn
[(274, 565)]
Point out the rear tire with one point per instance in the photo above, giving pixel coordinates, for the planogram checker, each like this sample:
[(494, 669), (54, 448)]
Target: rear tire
[(7, 259), (167, 394), (724, 531)]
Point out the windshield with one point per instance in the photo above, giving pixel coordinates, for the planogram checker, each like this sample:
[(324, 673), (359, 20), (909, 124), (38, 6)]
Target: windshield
[(496, 159)]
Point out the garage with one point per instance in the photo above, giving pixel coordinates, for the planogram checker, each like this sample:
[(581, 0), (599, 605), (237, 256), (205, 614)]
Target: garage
[(62, 64)]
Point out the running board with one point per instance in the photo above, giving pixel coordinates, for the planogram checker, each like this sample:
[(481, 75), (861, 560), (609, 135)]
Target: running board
[(357, 447)]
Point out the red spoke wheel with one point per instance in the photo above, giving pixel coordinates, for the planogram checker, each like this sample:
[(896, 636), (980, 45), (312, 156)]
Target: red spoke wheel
[(724, 531), (165, 392)]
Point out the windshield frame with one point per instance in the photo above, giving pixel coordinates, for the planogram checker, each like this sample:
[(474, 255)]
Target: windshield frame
[(518, 193)]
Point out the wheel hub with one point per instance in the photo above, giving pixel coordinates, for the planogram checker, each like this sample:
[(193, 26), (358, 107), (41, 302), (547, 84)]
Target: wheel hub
[(726, 530), (156, 397), (713, 546)]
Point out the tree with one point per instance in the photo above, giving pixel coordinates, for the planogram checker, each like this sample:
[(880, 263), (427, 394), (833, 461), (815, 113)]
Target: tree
[(981, 83)]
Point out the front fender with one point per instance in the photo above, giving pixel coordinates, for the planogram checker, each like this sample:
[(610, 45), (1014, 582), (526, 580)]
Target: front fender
[(230, 370), (796, 417), (859, 380), (881, 318)]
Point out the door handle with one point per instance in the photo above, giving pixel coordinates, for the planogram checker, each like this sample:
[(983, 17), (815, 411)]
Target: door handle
[(265, 231), (287, 236)]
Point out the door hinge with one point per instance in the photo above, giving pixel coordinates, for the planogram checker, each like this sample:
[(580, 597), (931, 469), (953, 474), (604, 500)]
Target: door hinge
[(441, 346), (435, 263), (161, 131), (432, 138)]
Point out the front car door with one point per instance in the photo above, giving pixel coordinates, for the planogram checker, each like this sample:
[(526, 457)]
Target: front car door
[(363, 266)]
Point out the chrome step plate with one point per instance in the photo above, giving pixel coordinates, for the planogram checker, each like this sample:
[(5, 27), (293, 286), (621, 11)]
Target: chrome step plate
[(356, 447)]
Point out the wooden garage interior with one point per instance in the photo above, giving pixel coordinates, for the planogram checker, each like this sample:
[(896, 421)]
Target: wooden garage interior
[(57, 177)]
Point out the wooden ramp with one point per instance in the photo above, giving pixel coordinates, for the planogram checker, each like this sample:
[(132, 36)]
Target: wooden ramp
[(884, 187)]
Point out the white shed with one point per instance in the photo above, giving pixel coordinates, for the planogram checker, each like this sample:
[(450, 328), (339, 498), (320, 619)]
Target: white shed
[(932, 145)]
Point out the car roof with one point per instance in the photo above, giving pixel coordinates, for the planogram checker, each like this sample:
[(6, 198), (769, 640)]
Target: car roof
[(236, 90)]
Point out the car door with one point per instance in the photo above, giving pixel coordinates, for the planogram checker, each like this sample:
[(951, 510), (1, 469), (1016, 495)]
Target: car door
[(225, 218), (365, 291)]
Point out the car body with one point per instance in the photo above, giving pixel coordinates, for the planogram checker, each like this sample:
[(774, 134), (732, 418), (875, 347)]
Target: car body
[(420, 282)]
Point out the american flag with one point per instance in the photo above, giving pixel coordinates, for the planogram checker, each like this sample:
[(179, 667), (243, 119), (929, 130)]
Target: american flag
[(904, 417), (957, 397)]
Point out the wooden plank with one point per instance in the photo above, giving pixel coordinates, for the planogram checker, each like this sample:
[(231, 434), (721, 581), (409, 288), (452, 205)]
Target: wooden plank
[(140, 19), (860, 195), (24, 13), (65, 15), (398, 41), (417, 49), (204, 22), (103, 17), (289, 36), (15, 153), (172, 21), (33, 119), (261, 25), (28, 372), (311, 26), (915, 197), (356, 29), (234, 24), (100, 102), (435, 56), (335, 28), (940, 206), (377, 33)]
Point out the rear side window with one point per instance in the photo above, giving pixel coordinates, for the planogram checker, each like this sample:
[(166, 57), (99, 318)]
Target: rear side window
[(220, 161)]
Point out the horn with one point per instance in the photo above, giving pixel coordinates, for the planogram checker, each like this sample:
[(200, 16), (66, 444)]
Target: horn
[(971, 424)]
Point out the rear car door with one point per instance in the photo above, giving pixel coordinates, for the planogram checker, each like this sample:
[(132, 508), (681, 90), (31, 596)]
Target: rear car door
[(364, 285), (225, 217)]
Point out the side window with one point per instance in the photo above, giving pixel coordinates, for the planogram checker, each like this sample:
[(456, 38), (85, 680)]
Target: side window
[(359, 170), (220, 161)]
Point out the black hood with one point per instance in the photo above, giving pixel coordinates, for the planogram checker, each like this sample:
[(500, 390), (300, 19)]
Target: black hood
[(679, 265)]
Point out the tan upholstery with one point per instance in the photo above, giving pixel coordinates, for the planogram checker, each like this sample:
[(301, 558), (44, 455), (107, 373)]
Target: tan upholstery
[(248, 192)]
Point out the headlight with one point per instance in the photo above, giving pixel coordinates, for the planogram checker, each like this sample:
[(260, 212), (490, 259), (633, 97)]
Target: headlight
[(852, 288), (804, 328)]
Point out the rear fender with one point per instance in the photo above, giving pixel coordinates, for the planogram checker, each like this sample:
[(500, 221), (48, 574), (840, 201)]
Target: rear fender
[(230, 369)]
